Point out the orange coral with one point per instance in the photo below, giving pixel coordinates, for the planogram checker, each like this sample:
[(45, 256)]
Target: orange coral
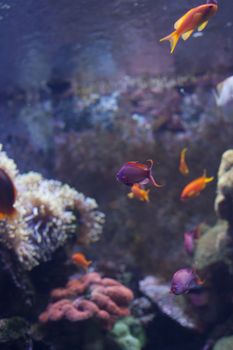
[(89, 297)]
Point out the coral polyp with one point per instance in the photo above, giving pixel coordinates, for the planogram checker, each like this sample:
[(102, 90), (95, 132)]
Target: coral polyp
[(49, 213)]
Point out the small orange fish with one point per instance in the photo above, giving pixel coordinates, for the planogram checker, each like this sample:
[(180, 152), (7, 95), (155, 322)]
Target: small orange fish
[(138, 192), (196, 18), (194, 188), (80, 259), (7, 196), (183, 167)]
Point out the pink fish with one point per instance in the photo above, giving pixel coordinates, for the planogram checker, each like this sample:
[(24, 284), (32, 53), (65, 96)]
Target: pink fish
[(184, 280)]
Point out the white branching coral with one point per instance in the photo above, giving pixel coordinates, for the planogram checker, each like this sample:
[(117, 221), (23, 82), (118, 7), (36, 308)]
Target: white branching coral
[(49, 213)]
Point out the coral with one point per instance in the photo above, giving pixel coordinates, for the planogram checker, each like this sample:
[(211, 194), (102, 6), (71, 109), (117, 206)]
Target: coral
[(143, 310), (7, 164), (89, 297), (48, 214), (223, 202), (212, 246), (174, 308), (225, 343), (128, 334)]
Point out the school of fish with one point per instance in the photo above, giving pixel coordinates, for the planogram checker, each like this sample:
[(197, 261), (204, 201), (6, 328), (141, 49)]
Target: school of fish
[(138, 175)]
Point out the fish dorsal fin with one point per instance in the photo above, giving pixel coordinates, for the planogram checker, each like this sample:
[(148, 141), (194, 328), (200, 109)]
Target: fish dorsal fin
[(186, 35), (181, 19), (178, 23), (150, 163), (202, 26)]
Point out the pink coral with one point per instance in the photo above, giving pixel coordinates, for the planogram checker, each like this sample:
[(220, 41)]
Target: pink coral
[(89, 297)]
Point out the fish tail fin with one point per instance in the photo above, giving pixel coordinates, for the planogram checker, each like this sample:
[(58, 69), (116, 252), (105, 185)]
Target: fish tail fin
[(147, 196), (199, 280), (154, 182), (207, 179), (173, 38), (150, 164), (89, 263), (184, 151)]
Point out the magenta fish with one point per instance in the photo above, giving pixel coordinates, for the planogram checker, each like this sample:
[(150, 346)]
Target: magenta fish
[(136, 173), (184, 280), (189, 239)]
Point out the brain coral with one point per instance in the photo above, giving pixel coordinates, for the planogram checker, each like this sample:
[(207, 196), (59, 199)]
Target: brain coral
[(89, 297), (49, 213)]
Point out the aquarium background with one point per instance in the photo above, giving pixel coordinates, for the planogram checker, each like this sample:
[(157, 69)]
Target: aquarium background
[(86, 86)]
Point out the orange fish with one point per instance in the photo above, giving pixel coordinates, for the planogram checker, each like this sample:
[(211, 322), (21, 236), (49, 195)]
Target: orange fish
[(194, 188), (80, 259), (183, 165), (7, 196), (138, 192), (196, 18)]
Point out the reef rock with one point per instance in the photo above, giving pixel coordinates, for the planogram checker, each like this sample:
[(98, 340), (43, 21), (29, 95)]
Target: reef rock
[(224, 199), (225, 343), (12, 329), (213, 247), (173, 307)]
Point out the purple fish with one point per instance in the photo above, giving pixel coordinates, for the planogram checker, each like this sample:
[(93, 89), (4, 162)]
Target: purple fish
[(189, 240), (184, 280), (136, 173)]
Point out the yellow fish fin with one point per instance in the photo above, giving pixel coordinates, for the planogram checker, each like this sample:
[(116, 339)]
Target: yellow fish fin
[(146, 196), (178, 23), (186, 35), (173, 38), (130, 195), (202, 26), (209, 179)]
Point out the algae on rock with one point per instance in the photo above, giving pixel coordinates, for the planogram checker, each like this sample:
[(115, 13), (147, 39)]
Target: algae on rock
[(128, 334), (225, 343), (212, 246)]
